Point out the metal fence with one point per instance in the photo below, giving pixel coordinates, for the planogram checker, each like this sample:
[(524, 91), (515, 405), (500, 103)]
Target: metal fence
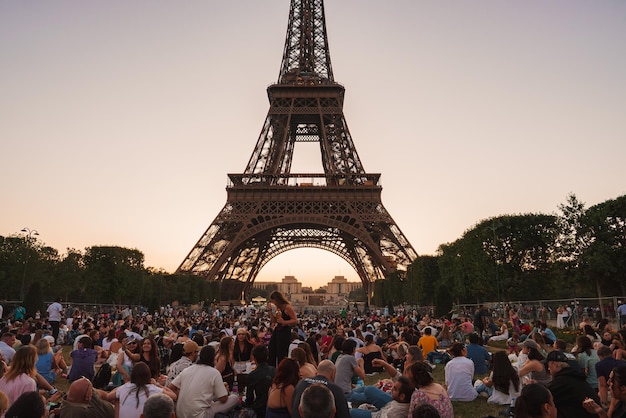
[(594, 309)]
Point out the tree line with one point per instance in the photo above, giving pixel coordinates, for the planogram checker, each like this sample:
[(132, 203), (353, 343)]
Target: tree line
[(576, 252)]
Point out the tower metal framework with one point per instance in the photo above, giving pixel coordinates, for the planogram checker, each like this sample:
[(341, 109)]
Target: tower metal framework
[(270, 210)]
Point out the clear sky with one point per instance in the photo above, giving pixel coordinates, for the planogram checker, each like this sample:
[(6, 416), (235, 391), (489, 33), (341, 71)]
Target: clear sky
[(119, 120)]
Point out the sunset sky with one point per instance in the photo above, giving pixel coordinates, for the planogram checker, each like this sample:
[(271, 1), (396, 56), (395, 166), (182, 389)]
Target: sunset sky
[(119, 120)]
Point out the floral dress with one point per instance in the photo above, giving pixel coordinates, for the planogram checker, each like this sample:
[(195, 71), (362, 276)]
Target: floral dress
[(442, 403)]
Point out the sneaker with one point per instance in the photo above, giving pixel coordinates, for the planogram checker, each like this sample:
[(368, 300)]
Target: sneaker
[(432, 366)]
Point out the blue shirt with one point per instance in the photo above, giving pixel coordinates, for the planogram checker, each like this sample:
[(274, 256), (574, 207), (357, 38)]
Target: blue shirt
[(550, 334), (480, 356)]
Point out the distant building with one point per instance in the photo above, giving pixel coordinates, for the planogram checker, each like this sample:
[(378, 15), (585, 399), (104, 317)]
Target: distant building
[(334, 293)]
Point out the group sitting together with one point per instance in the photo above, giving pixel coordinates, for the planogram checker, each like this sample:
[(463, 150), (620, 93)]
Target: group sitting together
[(218, 365)]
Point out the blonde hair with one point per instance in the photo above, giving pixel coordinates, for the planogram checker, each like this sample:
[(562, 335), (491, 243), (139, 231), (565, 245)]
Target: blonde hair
[(43, 346), (23, 362)]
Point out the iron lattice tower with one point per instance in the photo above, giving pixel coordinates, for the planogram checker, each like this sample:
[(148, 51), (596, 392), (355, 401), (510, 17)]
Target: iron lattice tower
[(270, 210)]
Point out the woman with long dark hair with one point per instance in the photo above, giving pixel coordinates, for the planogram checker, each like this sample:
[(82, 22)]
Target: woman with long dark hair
[(283, 317), (503, 384), (427, 391), (534, 367), (130, 397), (535, 401), (149, 354), (280, 398)]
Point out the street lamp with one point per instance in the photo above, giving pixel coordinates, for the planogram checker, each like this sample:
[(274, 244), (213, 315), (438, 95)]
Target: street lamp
[(30, 233)]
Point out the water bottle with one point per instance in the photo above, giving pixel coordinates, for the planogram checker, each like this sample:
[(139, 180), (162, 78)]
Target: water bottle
[(235, 386), (512, 408), (359, 382)]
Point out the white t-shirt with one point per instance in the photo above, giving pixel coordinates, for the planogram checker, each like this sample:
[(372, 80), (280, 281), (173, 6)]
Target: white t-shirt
[(199, 384), (54, 311), (459, 373), (130, 406), (106, 343)]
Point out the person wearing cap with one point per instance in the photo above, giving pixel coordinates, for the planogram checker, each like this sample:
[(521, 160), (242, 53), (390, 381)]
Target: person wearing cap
[(533, 368), (569, 387), (190, 354), (125, 359)]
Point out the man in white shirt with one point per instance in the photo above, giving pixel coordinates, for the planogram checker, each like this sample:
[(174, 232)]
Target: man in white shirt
[(459, 374), (55, 310), (198, 385)]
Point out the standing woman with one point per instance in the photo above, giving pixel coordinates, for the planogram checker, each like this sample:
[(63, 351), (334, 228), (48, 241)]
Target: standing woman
[(20, 378), (284, 318)]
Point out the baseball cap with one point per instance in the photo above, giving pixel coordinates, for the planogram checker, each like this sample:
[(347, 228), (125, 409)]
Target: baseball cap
[(556, 356), (530, 344), (190, 347), (50, 339), (132, 339)]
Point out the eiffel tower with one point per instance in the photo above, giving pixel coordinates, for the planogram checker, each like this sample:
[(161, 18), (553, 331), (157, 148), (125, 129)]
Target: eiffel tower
[(270, 210)]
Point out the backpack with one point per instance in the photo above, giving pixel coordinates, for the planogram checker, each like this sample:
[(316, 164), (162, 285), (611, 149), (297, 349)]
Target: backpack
[(103, 376)]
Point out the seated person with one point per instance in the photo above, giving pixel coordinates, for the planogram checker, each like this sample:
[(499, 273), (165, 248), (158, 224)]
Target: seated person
[(83, 360), (370, 352)]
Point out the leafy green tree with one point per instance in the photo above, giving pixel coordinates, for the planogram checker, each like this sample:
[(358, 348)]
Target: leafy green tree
[(68, 280), (33, 300), (114, 274), (422, 276), (13, 250), (603, 260), (510, 256)]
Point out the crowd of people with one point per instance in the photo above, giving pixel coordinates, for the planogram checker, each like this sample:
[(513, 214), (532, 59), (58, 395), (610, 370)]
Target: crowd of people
[(275, 363)]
